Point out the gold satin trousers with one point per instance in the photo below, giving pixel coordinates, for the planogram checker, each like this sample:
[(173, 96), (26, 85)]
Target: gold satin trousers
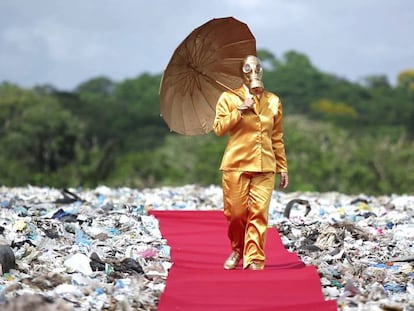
[(246, 197)]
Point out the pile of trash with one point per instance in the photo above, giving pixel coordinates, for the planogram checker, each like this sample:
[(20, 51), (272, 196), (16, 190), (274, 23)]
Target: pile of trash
[(363, 247), (99, 249), (79, 250)]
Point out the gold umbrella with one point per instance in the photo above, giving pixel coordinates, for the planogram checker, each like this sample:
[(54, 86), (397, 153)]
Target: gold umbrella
[(205, 64)]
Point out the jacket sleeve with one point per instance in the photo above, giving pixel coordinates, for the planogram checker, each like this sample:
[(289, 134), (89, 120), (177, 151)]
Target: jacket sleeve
[(227, 115), (278, 142)]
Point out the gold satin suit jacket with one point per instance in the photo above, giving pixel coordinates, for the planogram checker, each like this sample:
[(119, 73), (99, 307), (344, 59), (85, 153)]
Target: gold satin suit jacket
[(255, 138)]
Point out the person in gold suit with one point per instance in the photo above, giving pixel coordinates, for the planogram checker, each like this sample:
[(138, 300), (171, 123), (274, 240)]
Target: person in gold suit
[(255, 153)]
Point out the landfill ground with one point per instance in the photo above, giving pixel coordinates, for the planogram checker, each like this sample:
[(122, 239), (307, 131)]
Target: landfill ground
[(98, 249)]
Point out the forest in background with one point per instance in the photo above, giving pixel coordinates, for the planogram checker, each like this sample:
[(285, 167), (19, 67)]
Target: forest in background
[(340, 135)]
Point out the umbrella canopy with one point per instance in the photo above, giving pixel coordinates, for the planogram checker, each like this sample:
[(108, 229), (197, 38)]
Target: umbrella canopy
[(205, 64)]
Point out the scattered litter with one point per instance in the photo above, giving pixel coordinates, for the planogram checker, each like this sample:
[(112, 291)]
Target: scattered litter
[(362, 246), (99, 249)]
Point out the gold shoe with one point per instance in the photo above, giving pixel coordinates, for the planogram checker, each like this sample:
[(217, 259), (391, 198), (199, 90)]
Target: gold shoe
[(255, 266), (232, 262)]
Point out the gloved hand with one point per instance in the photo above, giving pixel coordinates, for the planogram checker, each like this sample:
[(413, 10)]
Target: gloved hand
[(247, 104), (284, 180)]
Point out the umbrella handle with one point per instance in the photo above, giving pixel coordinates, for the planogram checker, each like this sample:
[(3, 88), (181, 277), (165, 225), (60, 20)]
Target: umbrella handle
[(218, 82), (226, 87)]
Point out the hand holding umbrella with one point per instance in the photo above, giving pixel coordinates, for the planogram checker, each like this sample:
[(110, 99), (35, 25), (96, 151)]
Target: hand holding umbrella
[(247, 105)]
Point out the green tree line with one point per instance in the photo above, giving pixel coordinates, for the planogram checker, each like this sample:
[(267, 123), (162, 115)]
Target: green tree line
[(340, 135)]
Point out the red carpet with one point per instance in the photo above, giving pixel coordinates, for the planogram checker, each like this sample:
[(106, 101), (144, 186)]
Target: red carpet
[(198, 282)]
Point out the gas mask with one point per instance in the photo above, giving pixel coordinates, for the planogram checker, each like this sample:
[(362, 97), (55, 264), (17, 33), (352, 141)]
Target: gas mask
[(252, 72)]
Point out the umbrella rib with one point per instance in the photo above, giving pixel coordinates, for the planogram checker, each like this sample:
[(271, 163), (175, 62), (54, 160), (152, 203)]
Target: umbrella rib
[(212, 108), (198, 117), (236, 43)]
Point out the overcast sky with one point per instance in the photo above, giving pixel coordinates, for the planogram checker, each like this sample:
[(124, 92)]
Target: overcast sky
[(65, 43)]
